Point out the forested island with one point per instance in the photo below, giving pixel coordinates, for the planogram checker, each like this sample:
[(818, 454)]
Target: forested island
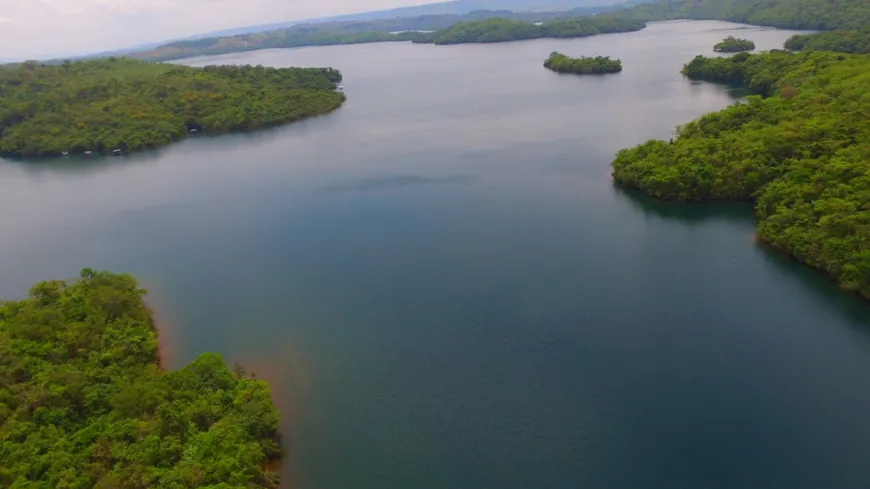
[(83, 403), (732, 44), (119, 105), (797, 149), (583, 65)]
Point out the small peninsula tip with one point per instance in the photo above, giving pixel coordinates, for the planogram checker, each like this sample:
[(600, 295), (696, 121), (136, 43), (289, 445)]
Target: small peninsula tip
[(84, 403)]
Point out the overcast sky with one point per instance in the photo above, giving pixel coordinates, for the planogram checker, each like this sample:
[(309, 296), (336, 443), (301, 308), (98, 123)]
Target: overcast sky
[(45, 28)]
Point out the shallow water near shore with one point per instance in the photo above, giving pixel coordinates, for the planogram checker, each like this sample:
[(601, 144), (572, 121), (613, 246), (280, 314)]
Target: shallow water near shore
[(445, 290)]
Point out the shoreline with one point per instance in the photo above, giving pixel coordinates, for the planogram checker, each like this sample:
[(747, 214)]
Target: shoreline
[(167, 355)]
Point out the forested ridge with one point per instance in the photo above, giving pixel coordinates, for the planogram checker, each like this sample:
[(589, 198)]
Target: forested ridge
[(83, 403), (116, 103), (592, 65), (798, 149)]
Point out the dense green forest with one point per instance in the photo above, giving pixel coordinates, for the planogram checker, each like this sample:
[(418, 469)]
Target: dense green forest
[(583, 65), (841, 41), (798, 149), (732, 44), (125, 104), (83, 403)]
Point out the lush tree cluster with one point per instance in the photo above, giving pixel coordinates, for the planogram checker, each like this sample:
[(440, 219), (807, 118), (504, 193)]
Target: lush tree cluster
[(583, 65), (732, 44), (841, 41), (800, 153), (758, 73), (502, 30), (84, 405), (125, 104)]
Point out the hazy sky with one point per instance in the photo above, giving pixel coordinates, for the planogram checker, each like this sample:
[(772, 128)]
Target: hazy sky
[(41, 28)]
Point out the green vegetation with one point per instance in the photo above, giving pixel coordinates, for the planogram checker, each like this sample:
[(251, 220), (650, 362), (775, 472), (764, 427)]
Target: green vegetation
[(758, 73), (797, 149), (502, 30), (125, 104), (560, 63), (732, 44), (84, 405), (841, 41)]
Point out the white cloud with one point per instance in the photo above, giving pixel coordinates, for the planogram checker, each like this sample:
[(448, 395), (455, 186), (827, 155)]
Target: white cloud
[(45, 28)]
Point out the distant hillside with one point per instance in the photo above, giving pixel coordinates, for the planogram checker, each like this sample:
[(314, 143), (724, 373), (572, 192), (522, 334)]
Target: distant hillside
[(793, 14), (455, 7), (348, 32)]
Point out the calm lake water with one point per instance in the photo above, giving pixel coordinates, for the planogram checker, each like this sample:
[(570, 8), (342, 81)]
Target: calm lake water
[(445, 290)]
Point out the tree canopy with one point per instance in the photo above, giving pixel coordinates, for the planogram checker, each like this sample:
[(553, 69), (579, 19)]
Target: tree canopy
[(732, 44), (798, 149), (583, 65), (84, 405), (125, 104)]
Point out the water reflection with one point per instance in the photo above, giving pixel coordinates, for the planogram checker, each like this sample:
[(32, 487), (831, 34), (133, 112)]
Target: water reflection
[(821, 289), (690, 214), (396, 181)]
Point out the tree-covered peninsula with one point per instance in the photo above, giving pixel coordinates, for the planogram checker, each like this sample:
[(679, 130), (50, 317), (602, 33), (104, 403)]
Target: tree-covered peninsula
[(583, 65), (841, 41), (83, 403), (124, 104), (798, 149), (732, 44)]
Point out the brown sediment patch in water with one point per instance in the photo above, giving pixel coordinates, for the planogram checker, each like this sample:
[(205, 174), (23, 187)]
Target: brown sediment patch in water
[(754, 238), (265, 370), (268, 371), (274, 468), (167, 351), (280, 363)]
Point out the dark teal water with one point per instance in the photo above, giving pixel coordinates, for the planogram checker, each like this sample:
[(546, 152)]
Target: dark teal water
[(446, 291)]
